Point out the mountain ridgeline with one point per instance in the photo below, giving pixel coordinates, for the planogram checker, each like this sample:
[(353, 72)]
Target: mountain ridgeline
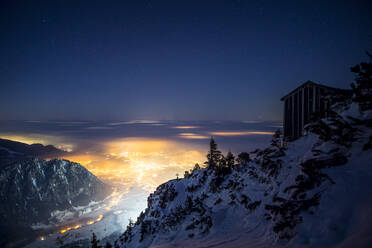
[(11, 151), (312, 192)]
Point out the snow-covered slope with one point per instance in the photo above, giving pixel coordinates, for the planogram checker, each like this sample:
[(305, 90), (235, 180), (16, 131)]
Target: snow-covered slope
[(314, 192), (35, 190)]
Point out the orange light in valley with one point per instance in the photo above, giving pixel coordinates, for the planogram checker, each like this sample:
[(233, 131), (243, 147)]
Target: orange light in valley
[(146, 162), (129, 161), (99, 218), (241, 133), (90, 222), (84, 159), (70, 228), (42, 238), (77, 226)]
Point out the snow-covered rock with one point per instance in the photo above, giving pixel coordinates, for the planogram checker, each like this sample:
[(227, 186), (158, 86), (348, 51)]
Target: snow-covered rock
[(36, 191)]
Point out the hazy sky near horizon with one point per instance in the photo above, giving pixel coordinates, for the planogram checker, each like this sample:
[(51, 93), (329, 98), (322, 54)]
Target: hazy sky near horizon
[(172, 60), (146, 153)]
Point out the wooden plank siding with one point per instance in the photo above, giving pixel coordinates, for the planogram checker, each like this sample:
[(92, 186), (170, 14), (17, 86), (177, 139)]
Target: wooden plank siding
[(303, 105)]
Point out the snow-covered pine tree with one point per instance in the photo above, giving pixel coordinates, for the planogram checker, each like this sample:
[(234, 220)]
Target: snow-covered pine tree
[(362, 87)]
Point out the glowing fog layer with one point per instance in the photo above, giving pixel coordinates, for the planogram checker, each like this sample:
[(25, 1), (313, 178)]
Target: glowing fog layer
[(141, 161)]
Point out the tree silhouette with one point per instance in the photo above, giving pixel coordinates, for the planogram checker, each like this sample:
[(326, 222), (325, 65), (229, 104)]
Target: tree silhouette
[(213, 156), (131, 223), (196, 167), (362, 87), (230, 160), (243, 158), (95, 241), (276, 141)]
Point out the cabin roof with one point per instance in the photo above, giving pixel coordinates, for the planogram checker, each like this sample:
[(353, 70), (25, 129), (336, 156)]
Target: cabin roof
[(311, 83)]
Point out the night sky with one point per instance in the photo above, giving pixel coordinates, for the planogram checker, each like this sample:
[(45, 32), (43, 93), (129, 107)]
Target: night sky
[(172, 60)]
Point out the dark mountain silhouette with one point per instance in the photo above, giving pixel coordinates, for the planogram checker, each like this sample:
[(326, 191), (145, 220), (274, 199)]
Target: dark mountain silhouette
[(11, 151)]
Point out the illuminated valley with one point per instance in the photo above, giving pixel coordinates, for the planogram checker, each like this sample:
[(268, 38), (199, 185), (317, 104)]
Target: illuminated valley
[(145, 162), (165, 124), (158, 151), (135, 165)]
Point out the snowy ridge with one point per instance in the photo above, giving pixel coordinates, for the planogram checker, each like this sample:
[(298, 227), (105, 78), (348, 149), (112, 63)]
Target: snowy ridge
[(35, 190), (314, 192)]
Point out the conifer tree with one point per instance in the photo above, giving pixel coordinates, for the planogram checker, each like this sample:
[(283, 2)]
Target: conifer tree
[(230, 160), (221, 161), (276, 141), (128, 232), (362, 87), (243, 158), (213, 156), (95, 241), (196, 168), (131, 223)]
